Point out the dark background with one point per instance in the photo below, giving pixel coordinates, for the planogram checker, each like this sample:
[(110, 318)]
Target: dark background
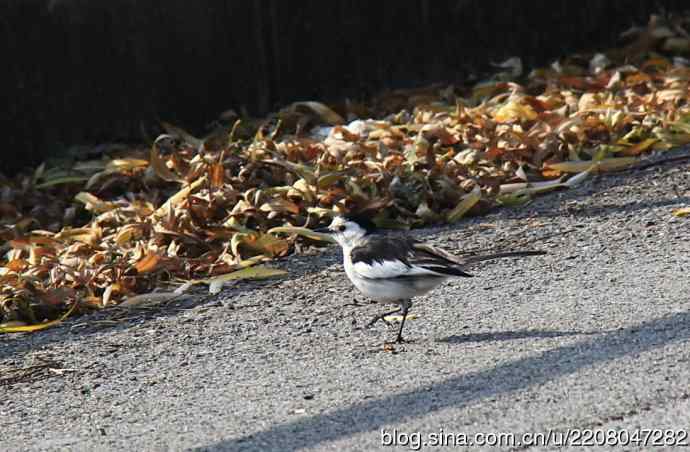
[(84, 72)]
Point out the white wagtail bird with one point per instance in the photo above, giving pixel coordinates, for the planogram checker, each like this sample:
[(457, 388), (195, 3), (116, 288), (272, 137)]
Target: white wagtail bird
[(395, 269)]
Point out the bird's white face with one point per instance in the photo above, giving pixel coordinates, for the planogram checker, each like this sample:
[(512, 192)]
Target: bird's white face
[(346, 233)]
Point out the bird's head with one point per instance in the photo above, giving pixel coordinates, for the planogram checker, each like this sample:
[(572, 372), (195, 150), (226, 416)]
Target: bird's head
[(348, 230)]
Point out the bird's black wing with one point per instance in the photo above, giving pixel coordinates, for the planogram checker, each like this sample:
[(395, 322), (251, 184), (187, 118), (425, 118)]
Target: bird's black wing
[(435, 259), (378, 249), (389, 256)]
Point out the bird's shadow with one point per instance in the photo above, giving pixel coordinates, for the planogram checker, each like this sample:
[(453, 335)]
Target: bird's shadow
[(496, 336)]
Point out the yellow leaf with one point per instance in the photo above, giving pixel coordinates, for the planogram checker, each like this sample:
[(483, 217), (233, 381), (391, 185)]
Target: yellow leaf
[(532, 187), (682, 212), (514, 110), (640, 147), (121, 165), (280, 205), (398, 318), (90, 236), (610, 164), (127, 233), (93, 203), (258, 243), (40, 326), (180, 196), (308, 233), (12, 324), (467, 202)]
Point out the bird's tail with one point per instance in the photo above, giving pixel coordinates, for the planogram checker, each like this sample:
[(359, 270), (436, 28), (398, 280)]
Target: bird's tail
[(473, 259)]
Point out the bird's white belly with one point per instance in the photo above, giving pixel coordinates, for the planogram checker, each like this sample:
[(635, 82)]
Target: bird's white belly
[(391, 290)]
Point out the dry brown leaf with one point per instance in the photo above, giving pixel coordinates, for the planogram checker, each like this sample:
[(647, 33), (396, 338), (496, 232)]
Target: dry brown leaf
[(217, 175), (93, 203), (16, 265), (324, 113), (148, 263)]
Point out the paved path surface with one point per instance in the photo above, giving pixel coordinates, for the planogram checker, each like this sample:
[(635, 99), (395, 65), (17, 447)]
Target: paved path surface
[(594, 335)]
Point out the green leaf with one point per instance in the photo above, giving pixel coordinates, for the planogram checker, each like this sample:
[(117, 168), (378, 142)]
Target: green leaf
[(514, 199), (62, 180)]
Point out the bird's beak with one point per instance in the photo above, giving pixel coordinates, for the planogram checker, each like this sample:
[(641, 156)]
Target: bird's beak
[(323, 230)]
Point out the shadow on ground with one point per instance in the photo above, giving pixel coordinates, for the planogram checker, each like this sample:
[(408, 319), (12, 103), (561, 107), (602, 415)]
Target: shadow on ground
[(512, 335), (465, 389)]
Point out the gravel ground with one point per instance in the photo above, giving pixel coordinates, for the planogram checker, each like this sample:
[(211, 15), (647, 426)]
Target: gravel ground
[(596, 335)]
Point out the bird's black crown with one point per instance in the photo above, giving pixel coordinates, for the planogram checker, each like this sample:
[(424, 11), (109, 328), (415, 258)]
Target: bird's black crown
[(363, 221)]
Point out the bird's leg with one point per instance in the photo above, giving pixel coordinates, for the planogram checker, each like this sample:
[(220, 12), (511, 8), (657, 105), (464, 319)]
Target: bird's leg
[(381, 317), (405, 307)]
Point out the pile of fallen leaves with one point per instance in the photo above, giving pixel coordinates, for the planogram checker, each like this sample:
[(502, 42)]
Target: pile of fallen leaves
[(185, 210)]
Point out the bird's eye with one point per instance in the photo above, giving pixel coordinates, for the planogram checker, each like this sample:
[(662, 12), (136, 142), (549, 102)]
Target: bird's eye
[(341, 228)]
